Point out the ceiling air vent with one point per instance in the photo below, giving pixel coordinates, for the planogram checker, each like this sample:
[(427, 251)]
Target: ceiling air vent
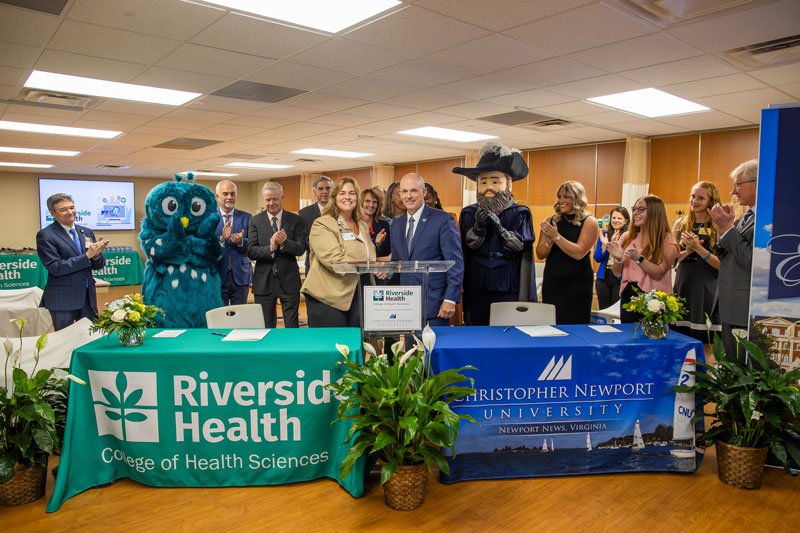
[(113, 167), (667, 13), (241, 157), (531, 121), (306, 160), (53, 100), (766, 54), (187, 143)]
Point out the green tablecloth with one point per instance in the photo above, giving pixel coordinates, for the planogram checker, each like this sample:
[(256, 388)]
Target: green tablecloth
[(21, 272), (122, 268), (196, 411)]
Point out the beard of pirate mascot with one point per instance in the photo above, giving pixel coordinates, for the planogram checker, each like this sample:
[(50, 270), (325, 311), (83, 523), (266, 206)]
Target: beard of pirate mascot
[(496, 235)]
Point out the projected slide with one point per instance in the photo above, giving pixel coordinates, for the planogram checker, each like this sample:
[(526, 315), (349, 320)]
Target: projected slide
[(101, 205)]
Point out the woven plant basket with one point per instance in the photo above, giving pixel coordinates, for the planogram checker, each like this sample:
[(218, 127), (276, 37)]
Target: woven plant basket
[(405, 490), (741, 467), (27, 485)]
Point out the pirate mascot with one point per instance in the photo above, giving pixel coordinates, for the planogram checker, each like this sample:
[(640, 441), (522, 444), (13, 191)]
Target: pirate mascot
[(496, 235)]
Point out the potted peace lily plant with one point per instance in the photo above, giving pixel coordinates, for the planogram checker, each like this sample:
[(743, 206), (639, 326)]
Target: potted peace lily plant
[(33, 412), (755, 408), (128, 317), (401, 412), (658, 309)]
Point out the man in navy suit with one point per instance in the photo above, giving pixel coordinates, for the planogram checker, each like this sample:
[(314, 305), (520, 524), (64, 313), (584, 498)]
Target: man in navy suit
[(426, 234), (235, 270), (322, 192), (69, 252), (277, 238)]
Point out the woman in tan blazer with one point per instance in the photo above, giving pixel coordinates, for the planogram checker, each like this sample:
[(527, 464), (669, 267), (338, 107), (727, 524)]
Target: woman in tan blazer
[(339, 234)]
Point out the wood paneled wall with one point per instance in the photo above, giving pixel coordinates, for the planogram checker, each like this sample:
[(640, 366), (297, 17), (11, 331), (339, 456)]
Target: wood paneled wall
[(363, 176), (440, 175)]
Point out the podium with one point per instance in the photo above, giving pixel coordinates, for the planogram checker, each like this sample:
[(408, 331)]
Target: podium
[(392, 309)]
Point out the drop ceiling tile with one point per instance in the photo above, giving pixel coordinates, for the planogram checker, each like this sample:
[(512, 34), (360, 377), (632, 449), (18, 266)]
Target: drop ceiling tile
[(694, 68), (591, 133), (13, 138), (635, 53), (599, 86), (758, 97), (294, 75), (368, 88), (481, 87), (349, 56), (549, 72), (258, 37), (22, 26), (157, 130), (195, 116), (423, 73), (710, 87), (289, 113), (308, 128), (580, 29), (326, 140), (33, 115), (342, 120), (205, 60), (118, 118), (324, 102), (531, 99), (182, 81), (762, 23), (13, 76), (134, 108), (91, 40), (88, 66), (646, 126), (778, 75), (792, 89), (62, 142), (607, 117), (474, 110), (18, 55), (273, 136), (415, 31), (258, 122), (428, 119), (704, 121), (174, 20), (7, 92), (499, 15), (233, 129), (226, 105), (425, 100), (490, 53), (380, 111), (572, 109)]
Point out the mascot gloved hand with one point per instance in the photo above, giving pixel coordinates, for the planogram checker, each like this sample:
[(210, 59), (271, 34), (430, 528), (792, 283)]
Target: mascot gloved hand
[(178, 238)]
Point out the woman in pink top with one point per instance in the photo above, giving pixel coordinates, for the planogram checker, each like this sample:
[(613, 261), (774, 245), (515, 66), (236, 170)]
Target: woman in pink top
[(645, 254)]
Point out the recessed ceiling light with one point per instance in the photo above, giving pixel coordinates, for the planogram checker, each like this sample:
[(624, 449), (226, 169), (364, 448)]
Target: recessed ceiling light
[(58, 130), (322, 15), (36, 151), (257, 165), (332, 153), (447, 134), (218, 174), (26, 165), (110, 89), (649, 103)]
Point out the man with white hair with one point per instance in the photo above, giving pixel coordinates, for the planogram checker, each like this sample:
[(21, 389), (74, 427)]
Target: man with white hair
[(235, 269), (735, 252)]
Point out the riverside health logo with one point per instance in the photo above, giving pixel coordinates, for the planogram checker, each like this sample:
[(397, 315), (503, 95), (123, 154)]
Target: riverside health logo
[(377, 296), (125, 404), (557, 370)]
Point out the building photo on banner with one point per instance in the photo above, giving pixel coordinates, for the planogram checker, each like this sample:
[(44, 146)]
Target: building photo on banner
[(308, 264)]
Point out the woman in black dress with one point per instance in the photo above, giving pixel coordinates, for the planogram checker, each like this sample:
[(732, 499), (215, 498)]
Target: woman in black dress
[(566, 239), (698, 267)]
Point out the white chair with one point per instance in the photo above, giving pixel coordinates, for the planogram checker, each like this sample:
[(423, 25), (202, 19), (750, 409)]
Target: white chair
[(522, 314), (236, 316), (23, 303)]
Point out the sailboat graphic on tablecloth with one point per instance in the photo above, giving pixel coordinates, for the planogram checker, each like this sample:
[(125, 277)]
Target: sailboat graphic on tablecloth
[(552, 446), (544, 446), (588, 442), (638, 442), (682, 426)]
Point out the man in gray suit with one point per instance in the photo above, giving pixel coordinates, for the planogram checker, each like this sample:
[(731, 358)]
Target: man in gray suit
[(735, 251), (310, 213)]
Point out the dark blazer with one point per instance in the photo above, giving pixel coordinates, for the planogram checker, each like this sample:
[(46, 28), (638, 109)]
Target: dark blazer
[(241, 268), (309, 214), (735, 251), (284, 260), (69, 272), (435, 239)]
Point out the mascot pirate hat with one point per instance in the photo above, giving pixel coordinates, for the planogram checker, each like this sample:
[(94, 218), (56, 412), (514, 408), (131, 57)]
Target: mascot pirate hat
[(495, 156)]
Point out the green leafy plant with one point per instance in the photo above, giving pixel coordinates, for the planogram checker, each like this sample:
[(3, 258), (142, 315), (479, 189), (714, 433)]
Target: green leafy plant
[(33, 409), (127, 313), (400, 410), (754, 405)]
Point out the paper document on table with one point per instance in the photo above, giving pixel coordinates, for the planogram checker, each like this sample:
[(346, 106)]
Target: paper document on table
[(606, 329), (169, 333), (246, 335), (542, 331)]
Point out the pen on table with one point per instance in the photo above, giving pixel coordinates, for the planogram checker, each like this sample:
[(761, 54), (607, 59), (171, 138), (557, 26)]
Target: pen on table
[(220, 334), (508, 328)]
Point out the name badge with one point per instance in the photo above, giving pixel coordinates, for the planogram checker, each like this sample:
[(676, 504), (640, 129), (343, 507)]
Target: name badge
[(348, 236)]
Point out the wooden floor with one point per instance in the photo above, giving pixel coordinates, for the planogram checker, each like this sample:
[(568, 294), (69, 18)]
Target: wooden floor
[(620, 502)]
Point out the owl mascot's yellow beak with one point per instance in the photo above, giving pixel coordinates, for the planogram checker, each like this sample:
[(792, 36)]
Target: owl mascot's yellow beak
[(185, 221)]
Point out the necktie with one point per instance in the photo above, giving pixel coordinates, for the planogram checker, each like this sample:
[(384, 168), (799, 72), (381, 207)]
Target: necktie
[(746, 217), (409, 235), (274, 230), (75, 239), (230, 256)]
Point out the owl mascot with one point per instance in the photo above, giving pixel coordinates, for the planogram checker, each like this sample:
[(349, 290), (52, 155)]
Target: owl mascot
[(179, 239)]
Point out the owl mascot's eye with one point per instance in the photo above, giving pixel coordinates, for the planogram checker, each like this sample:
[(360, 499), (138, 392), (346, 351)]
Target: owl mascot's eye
[(169, 205), (198, 206)]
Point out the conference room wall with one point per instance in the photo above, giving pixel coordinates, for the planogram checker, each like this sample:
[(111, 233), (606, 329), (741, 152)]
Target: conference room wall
[(19, 217)]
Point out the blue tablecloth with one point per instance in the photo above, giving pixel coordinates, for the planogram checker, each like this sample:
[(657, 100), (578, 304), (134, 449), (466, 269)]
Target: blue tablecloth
[(599, 399)]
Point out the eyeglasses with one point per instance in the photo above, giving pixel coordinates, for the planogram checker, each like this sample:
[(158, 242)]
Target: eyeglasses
[(739, 184), (641, 209)]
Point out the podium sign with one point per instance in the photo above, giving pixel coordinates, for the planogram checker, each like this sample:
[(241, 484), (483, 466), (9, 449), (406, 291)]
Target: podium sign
[(390, 308)]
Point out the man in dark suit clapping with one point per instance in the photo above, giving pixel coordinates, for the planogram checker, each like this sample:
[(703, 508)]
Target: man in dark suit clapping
[(322, 191), (275, 239), (235, 269), (69, 252)]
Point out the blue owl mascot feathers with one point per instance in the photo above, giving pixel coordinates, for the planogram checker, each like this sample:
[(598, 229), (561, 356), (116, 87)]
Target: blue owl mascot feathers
[(179, 240)]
